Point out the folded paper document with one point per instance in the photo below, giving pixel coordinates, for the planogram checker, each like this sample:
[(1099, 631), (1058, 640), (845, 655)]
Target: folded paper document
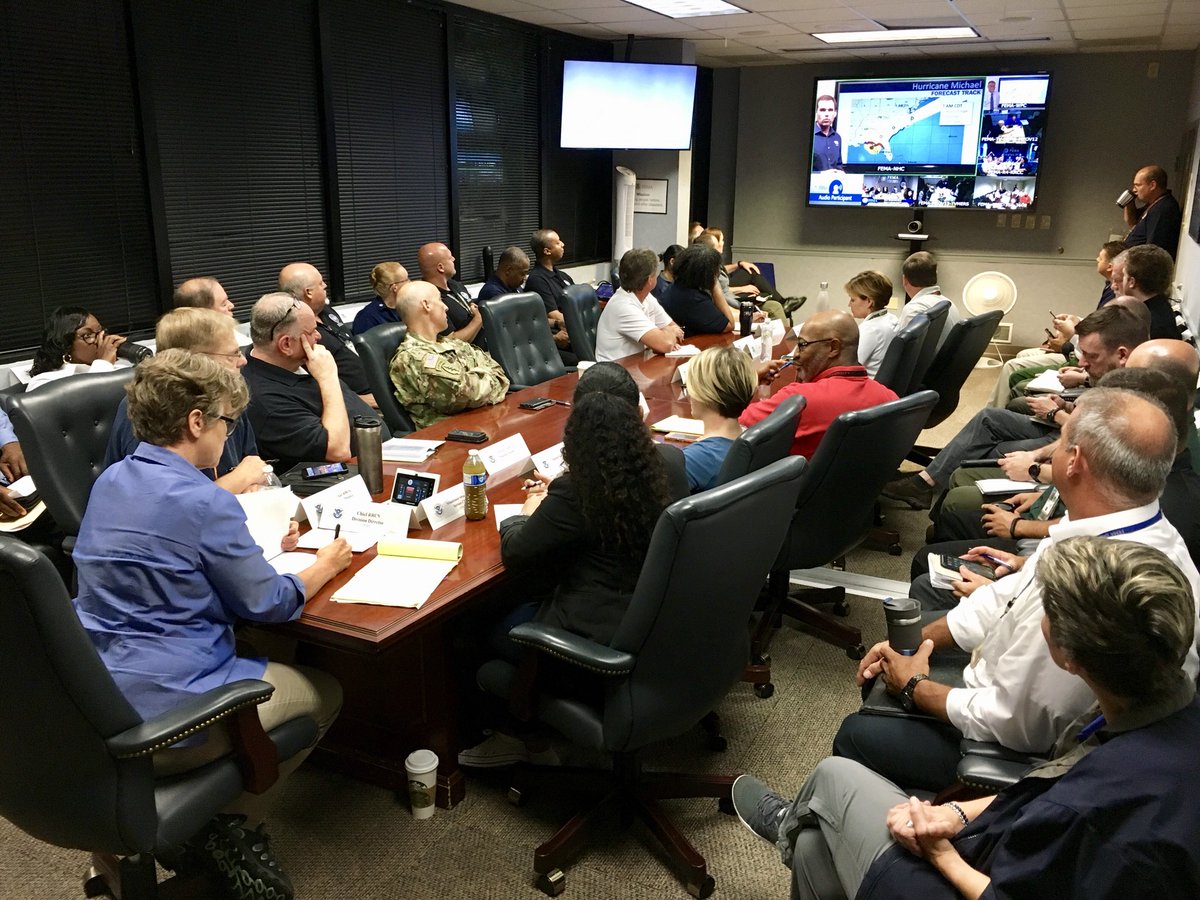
[(679, 423)]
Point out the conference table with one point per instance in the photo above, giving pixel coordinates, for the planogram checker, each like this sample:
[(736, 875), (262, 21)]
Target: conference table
[(399, 668)]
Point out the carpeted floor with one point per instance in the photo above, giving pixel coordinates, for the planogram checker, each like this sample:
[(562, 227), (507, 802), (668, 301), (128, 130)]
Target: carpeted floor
[(342, 840)]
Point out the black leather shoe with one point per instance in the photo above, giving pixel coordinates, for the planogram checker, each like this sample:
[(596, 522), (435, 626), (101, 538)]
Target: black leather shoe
[(242, 860)]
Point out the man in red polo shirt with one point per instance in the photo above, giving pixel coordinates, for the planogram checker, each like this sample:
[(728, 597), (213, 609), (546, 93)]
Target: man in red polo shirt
[(829, 377)]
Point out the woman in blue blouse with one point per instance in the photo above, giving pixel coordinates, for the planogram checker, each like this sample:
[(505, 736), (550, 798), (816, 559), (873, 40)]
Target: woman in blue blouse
[(721, 382), (167, 567)]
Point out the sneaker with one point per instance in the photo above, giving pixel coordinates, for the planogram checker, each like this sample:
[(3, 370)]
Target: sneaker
[(911, 491), (242, 860), (760, 808), (496, 750), (791, 304)]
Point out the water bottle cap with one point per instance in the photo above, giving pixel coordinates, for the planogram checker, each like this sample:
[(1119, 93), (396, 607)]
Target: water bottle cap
[(268, 469), (824, 285)]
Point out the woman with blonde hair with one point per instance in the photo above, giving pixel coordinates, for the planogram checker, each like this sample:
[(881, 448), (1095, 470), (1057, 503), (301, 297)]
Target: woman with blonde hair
[(721, 382), (386, 280)]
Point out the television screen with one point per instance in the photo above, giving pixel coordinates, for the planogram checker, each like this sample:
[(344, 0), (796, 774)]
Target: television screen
[(642, 106), (962, 142)]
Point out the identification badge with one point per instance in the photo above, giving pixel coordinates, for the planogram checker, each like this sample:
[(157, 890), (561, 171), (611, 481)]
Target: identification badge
[(431, 360)]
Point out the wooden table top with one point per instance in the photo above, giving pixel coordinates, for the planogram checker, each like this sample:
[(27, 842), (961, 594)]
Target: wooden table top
[(368, 628)]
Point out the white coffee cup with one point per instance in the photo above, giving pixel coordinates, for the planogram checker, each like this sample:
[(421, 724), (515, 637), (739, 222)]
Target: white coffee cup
[(421, 767)]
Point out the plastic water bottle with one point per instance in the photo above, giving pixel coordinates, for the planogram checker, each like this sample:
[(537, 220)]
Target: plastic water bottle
[(823, 297), (766, 341), (270, 481), (475, 487)]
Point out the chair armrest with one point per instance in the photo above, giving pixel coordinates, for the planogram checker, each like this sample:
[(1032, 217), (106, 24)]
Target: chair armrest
[(571, 648), (990, 774), (992, 750), (189, 718)]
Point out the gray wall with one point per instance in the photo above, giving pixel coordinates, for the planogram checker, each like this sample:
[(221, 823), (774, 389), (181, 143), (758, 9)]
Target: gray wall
[(1106, 118), (722, 162)]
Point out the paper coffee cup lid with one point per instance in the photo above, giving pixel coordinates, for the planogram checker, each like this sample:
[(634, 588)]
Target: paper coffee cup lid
[(421, 761)]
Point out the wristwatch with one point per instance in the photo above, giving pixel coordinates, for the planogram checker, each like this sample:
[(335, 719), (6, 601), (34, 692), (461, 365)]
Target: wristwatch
[(906, 695), (1035, 470)]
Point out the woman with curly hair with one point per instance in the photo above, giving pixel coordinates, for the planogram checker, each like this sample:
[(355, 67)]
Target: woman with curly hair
[(593, 523), (74, 342), (695, 301)]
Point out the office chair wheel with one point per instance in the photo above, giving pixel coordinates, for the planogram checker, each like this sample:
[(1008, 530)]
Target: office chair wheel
[(725, 805), (894, 549), (94, 884), (763, 691), (840, 608), (763, 659), (703, 889), (717, 743), (856, 652), (515, 797), (551, 883)]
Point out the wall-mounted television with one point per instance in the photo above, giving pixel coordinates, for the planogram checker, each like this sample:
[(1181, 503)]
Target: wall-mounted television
[(942, 142), (627, 106)]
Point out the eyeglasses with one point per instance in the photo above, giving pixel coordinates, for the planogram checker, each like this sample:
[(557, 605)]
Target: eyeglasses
[(235, 356), (801, 344), (288, 314), (230, 423), (88, 336)]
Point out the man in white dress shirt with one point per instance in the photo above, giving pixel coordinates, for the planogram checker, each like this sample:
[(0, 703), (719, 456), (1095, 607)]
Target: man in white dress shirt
[(1110, 468)]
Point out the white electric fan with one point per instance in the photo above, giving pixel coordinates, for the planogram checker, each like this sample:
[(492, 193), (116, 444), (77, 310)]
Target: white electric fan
[(985, 292)]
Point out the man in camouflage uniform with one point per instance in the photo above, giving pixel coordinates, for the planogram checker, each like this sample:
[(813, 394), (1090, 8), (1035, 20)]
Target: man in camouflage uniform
[(438, 376)]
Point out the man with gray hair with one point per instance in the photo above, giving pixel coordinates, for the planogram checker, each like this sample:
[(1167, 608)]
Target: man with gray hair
[(1110, 468), (632, 320), (297, 416), (919, 276)]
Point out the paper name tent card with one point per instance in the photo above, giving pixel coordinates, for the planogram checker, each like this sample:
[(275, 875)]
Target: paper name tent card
[(679, 423), (405, 573)]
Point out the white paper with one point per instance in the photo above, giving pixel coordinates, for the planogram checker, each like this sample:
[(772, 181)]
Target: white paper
[(506, 511), (292, 563), (359, 541), (679, 423), (329, 507), (22, 487), (583, 365), (444, 507), (749, 343), (549, 463), (680, 374), (643, 405), (395, 581), (267, 516), (387, 516), (1006, 486), (685, 350), (409, 449), (778, 330), (1045, 382), (506, 458)]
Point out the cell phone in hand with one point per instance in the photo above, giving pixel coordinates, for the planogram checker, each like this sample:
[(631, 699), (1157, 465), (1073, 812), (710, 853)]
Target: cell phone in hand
[(954, 563), (1004, 505)]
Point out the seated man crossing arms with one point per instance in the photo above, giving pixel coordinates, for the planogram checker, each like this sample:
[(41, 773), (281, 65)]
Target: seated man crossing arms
[(437, 376)]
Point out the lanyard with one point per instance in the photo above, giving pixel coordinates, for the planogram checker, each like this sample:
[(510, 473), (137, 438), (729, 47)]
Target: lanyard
[(1116, 532)]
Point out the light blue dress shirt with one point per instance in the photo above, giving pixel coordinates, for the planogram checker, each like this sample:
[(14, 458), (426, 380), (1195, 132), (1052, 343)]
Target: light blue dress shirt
[(166, 568)]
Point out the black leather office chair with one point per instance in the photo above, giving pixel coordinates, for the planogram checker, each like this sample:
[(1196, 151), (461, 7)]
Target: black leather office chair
[(581, 310), (376, 347), (835, 511), (64, 428), (936, 315), (518, 337), (763, 443), (75, 758), (900, 359), (963, 347), (679, 647)]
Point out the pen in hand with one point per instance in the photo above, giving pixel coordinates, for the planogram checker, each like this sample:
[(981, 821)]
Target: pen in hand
[(337, 531), (786, 365)]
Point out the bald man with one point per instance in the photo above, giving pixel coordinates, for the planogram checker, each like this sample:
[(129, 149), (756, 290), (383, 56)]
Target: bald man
[(435, 375), (829, 377), (204, 292), (463, 321), (1155, 217), (304, 282)]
